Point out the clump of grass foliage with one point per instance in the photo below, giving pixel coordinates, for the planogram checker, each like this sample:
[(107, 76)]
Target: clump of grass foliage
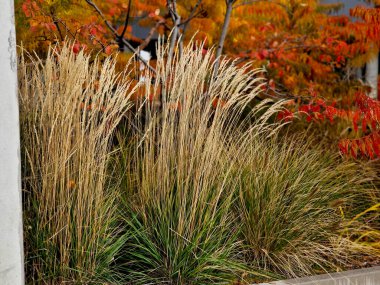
[(291, 197), (198, 190), (69, 111), (180, 190), (214, 192), (362, 227)]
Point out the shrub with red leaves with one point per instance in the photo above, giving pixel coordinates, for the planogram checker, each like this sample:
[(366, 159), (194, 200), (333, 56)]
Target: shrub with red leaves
[(365, 114)]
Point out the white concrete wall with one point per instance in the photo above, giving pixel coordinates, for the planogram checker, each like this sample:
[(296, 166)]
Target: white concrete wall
[(11, 244)]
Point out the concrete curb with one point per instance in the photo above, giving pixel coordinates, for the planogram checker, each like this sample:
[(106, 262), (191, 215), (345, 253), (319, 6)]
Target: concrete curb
[(366, 276)]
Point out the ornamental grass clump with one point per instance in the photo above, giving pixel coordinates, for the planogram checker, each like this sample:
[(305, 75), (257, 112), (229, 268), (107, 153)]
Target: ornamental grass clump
[(291, 198), (69, 111), (189, 182), (180, 190)]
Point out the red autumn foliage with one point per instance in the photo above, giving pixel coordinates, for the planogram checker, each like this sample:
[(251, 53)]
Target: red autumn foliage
[(365, 117), (304, 51)]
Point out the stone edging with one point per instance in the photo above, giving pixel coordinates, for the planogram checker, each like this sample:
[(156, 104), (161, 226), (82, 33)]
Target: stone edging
[(366, 276)]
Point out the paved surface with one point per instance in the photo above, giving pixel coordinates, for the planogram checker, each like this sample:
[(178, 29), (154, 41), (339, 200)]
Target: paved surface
[(366, 276)]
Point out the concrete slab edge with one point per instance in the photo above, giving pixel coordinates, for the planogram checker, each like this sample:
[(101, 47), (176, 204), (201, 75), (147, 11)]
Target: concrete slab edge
[(365, 276)]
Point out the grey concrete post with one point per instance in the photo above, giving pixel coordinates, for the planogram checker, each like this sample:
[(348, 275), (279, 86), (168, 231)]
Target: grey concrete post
[(371, 74), (11, 242), (359, 73)]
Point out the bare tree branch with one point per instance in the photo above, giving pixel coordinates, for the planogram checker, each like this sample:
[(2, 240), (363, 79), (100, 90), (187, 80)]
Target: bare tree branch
[(172, 7), (192, 14), (150, 35), (227, 18), (108, 23), (186, 22), (58, 20), (121, 44), (112, 29), (56, 23), (99, 42)]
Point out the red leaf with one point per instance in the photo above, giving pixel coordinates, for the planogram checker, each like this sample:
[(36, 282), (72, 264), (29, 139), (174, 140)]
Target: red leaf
[(354, 149), (362, 147), (26, 9), (368, 144), (285, 115), (76, 48), (376, 145), (264, 53), (93, 31), (218, 102), (108, 50), (355, 119), (364, 124), (343, 146), (373, 125), (35, 6), (320, 102)]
